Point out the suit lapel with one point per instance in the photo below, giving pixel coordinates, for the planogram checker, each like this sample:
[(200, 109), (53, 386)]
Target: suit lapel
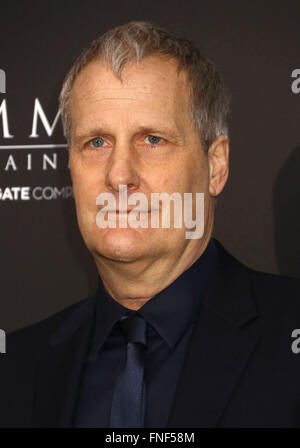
[(59, 370), (220, 346)]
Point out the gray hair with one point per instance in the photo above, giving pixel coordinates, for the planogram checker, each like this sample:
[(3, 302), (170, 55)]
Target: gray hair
[(209, 99)]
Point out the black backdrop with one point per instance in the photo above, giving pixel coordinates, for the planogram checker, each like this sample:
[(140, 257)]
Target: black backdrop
[(256, 45)]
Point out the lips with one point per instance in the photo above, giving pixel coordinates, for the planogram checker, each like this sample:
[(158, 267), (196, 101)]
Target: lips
[(127, 211)]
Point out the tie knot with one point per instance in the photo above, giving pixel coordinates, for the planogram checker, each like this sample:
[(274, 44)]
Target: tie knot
[(133, 328)]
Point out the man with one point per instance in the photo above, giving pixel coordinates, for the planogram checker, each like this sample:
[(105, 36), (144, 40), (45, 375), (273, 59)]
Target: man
[(178, 333)]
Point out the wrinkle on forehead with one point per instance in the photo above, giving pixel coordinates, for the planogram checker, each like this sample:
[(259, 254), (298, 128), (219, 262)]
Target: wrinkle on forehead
[(152, 72), (88, 92), (162, 91)]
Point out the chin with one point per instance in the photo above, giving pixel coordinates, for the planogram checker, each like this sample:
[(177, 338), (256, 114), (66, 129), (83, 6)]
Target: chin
[(122, 244)]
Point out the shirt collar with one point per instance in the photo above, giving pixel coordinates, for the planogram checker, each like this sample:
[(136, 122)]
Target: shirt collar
[(170, 312)]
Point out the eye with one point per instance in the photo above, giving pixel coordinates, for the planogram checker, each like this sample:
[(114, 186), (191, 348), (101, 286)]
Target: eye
[(97, 142), (153, 140)]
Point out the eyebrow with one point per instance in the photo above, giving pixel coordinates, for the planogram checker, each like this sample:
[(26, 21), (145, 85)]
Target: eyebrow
[(168, 132)]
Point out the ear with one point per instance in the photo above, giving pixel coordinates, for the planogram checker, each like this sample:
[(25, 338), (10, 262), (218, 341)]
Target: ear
[(218, 159)]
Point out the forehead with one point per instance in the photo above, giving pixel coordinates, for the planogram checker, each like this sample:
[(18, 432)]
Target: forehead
[(153, 86)]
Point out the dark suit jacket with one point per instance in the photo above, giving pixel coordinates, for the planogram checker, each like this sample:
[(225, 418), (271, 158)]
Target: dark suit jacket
[(239, 370)]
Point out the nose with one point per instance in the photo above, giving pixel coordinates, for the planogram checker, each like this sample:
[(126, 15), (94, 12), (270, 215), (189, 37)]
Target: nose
[(121, 169)]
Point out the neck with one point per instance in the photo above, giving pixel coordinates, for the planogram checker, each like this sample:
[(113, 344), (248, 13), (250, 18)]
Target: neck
[(132, 284)]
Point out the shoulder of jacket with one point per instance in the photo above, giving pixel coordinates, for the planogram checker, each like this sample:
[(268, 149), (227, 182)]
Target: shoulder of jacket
[(37, 333)]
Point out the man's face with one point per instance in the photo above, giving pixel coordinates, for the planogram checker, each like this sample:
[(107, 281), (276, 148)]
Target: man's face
[(112, 144)]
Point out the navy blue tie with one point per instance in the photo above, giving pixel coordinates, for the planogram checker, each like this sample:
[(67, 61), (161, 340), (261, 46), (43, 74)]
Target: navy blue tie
[(128, 403)]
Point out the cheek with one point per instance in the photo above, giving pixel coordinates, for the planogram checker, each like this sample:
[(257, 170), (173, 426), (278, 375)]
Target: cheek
[(198, 177), (85, 188), (187, 177), (168, 178)]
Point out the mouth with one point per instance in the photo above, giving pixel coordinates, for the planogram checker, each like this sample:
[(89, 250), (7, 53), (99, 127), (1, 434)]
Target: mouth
[(133, 211), (128, 211)]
